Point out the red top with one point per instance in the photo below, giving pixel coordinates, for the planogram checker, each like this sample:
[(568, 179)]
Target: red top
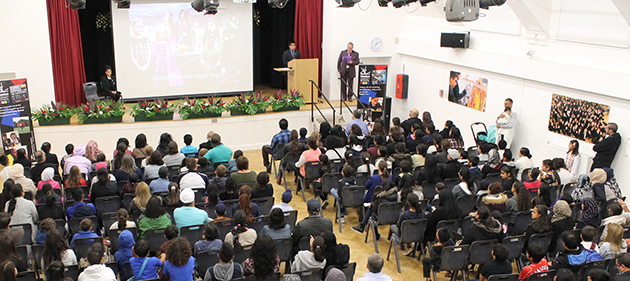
[(533, 268)]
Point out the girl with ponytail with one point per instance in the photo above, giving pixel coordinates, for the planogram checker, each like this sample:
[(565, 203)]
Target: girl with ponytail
[(241, 237), (413, 212), (22, 211), (123, 221), (245, 204), (313, 259), (366, 164)]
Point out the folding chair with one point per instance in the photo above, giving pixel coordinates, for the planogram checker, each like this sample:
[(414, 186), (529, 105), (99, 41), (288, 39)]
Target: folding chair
[(241, 255), (82, 245), (504, 277), (283, 249), (108, 204), (109, 219), (410, 231), (291, 218), (514, 245), (310, 275), (156, 238), (205, 260), (192, 233), (349, 270), (27, 239), (75, 224), (224, 227), (361, 178), (455, 259), (27, 276), (451, 182), (466, 204), (352, 198), (264, 205), (428, 189), (541, 240), (113, 237), (388, 214), (311, 173), (481, 251), (542, 276), (521, 221)]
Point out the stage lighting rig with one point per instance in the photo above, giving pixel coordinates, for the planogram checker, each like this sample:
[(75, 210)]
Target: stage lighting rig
[(76, 4), (278, 3), (467, 10), (210, 6), (123, 4), (347, 3)]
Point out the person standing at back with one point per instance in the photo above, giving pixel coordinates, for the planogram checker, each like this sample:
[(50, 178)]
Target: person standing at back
[(507, 129), (607, 148)]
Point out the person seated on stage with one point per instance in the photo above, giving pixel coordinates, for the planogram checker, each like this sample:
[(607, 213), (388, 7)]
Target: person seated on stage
[(108, 85), (189, 150)]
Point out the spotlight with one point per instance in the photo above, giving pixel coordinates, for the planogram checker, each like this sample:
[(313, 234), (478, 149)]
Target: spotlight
[(467, 10), (383, 3), (123, 4), (77, 4), (278, 3), (484, 4), (400, 3), (347, 3), (210, 6)]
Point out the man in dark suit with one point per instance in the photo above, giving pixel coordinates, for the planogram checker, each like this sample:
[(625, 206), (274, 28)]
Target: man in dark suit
[(290, 54), (108, 85), (607, 148), (345, 65)]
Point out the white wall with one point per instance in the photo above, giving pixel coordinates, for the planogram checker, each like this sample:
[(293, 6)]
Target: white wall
[(25, 49), (590, 66)]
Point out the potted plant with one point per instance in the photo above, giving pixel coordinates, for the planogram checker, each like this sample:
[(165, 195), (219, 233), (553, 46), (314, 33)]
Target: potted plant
[(101, 111), (152, 110), (290, 101), (54, 114), (199, 108), (249, 104)]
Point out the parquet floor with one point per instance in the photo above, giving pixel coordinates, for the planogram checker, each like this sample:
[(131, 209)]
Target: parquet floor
[(359, 251)]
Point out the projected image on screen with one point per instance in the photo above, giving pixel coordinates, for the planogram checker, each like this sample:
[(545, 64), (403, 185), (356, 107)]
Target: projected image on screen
[(172, 50)]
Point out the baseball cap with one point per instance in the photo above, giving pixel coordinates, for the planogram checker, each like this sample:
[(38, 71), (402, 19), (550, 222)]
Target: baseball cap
[(313, 205), (453, 153)]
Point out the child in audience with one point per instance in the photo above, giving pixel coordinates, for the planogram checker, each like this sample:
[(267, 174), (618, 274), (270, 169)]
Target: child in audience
[(396, 123), (189, 150), (172, 199), (303, 133), (379, 140), (598, 275), (366, 164), (125, 251), (347, 179), (572, 247), (229, 193), (400, 154), (160, 184), (221, 178), (384, 156), (79, 209), (86, 231), (170, 232), (101, 162), (533, 183), (537, 261), (225, 269), (264, 188), (141, 254), (219, 210), (211, 241), (179, 264), (417, 159), (443, 238), (203, 166), (287, 196), (231, 166), (498, 265), (44, 226), (97, 271), (123, 221), (473, 162), (588, 234)]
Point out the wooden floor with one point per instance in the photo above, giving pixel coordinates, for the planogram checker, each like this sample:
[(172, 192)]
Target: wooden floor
[(359, 251)]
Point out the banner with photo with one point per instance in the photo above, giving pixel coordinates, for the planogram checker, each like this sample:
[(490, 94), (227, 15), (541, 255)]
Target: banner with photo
[(468, 90), (372, 89), (15, 112), (579, 119)]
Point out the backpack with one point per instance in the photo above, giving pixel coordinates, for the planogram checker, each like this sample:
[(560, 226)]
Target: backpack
[(586, 256)]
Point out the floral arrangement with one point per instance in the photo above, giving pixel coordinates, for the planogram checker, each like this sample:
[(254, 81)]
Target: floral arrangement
[(251, 103), (101, 109), (151, 108), (53, 111), (201, 107), (291, 99)]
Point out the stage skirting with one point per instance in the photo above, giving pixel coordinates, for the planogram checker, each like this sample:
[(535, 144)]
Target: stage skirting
[(247, 132)]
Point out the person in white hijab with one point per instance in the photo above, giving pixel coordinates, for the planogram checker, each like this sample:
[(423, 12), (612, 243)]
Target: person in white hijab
[(17, 175), (47, 177)]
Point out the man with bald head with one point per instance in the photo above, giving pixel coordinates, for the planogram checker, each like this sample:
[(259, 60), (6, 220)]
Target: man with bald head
[(413, 119), (375, 265), (208, 144)]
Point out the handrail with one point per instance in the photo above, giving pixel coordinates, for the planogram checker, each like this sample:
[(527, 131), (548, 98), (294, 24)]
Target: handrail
[(314, 104), (352, 94)]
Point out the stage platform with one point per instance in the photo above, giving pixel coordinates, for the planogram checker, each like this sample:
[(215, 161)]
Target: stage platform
[(238, 132)]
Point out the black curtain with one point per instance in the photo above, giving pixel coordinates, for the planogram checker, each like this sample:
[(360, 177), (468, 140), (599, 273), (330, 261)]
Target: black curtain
[(273, 30), (97, 39)]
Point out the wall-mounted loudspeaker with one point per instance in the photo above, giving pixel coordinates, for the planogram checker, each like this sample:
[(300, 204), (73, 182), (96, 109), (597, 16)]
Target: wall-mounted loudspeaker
[(455, 40)]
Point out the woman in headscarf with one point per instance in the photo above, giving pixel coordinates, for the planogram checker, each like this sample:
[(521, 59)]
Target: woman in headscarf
[(610, 186), (47, 177), (583, 190), (91, 150), (590, 214), (598, 178), (17, 175), (560, 221)]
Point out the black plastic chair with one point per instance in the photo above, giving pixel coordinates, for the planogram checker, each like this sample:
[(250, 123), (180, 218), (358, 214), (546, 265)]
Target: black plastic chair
[(455, 259), (587, 268), (290, 217), (452, 225), (75, 224), (481, 251), (241, 255), (127, 198), (388, 214), (352, 198), (72, 272), (22, 252), (200, 194), (224, 228), (428, 189), (109, 219), (27, 276), (273, 277), (128, 270), (283, 249), (311, 173), (514, 245), (109, 204), (466, 204), (541, 240), (156, 238), (27, 239), (521, 221), (264, 205), (504, 277), (411, 231), (259, 223), (192, 233), (228, 207), (330, 181), (205, 260), (113, 265), (82, 245), (361, 178), (310, 275), (113, 237), (38, 255), (542, 276), (349, 270)]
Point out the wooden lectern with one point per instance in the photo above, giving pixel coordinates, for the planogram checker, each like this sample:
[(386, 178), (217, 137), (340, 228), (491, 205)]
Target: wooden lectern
[(299, 74)]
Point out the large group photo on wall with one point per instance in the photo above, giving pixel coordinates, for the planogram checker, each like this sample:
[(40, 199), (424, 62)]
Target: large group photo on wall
[(467, 90), (576, 118)]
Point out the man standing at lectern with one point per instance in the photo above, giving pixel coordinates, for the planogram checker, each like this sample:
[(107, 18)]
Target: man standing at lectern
[(290, 54), (345, 65)]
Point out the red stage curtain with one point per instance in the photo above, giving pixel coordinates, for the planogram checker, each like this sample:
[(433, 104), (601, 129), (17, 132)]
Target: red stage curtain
[(308, 30), (66, 52)]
